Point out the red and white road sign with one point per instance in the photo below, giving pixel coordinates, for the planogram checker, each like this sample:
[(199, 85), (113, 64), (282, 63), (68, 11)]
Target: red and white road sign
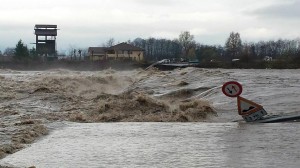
[(232, 89)]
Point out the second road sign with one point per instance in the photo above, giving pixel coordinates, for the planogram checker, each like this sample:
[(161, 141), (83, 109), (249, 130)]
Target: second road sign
[(232, 89)]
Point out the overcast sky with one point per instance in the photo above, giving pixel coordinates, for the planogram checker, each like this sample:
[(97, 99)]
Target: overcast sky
[(85, 23)]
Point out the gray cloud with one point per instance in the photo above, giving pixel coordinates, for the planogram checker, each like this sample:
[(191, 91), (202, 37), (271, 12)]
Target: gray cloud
[(92, 22), (289, 10)]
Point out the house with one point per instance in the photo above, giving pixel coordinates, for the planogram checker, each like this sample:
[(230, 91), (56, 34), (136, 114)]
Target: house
[(125, 51), (122, 51), (96, 53)]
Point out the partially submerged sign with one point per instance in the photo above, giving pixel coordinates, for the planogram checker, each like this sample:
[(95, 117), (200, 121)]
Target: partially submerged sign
[(232, 89), (246, 107), (249, 110)]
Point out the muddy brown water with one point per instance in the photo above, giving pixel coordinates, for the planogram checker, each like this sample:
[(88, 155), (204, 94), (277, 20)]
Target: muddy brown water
[(36, 107), (164, 145)]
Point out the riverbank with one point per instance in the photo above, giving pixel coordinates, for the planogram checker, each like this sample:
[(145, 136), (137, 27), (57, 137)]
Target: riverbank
[(130, 65)]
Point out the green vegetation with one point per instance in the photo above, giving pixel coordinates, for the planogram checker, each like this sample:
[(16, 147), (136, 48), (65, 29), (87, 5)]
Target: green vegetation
[(21, 52)]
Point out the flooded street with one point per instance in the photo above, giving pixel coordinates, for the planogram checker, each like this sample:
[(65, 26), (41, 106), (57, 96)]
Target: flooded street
[(165, 145), (153, 118)]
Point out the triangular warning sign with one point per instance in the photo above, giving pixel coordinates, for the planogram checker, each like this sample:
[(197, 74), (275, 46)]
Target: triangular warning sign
[(246, 107)]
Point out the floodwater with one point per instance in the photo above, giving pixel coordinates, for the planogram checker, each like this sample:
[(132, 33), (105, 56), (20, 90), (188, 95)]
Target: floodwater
[(165, 145), (213, 142)]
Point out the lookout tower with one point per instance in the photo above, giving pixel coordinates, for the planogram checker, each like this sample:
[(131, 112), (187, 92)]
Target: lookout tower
[(46, 40)]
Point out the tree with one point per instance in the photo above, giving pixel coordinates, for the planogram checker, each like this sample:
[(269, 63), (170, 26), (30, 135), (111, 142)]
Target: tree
[(9, 52), (157, 49), (79, 52), (206, 53), (150, 48), (70, 52), (84, 52), (233, 45), (33, 54), (21, 51), (139, 42), (74, 54), (187, 42), (110, 42)]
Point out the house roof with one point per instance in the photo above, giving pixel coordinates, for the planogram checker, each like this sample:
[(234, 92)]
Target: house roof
[(38, 26), (124, 47), (121, 46), (97, 49)]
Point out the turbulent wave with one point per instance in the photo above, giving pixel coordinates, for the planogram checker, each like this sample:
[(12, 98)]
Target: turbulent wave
[(139, 107), (31, 99)]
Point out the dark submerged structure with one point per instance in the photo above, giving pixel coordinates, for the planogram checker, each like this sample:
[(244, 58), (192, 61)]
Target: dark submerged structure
[(46, 41)]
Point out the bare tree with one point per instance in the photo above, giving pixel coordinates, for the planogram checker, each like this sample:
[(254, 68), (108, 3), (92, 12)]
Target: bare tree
[(74, 54), (9, 51), (233, 45), (187, 42), (110, 42), (79, 52), (84, 52), (71, 51)]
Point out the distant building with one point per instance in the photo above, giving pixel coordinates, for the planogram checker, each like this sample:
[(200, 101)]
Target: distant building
[(96, 53), (125, 51), (46, 40), (122, 51)]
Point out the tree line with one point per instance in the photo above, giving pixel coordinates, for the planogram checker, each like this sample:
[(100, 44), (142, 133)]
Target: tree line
[(186, 48), (21, 52), (233, 49)]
